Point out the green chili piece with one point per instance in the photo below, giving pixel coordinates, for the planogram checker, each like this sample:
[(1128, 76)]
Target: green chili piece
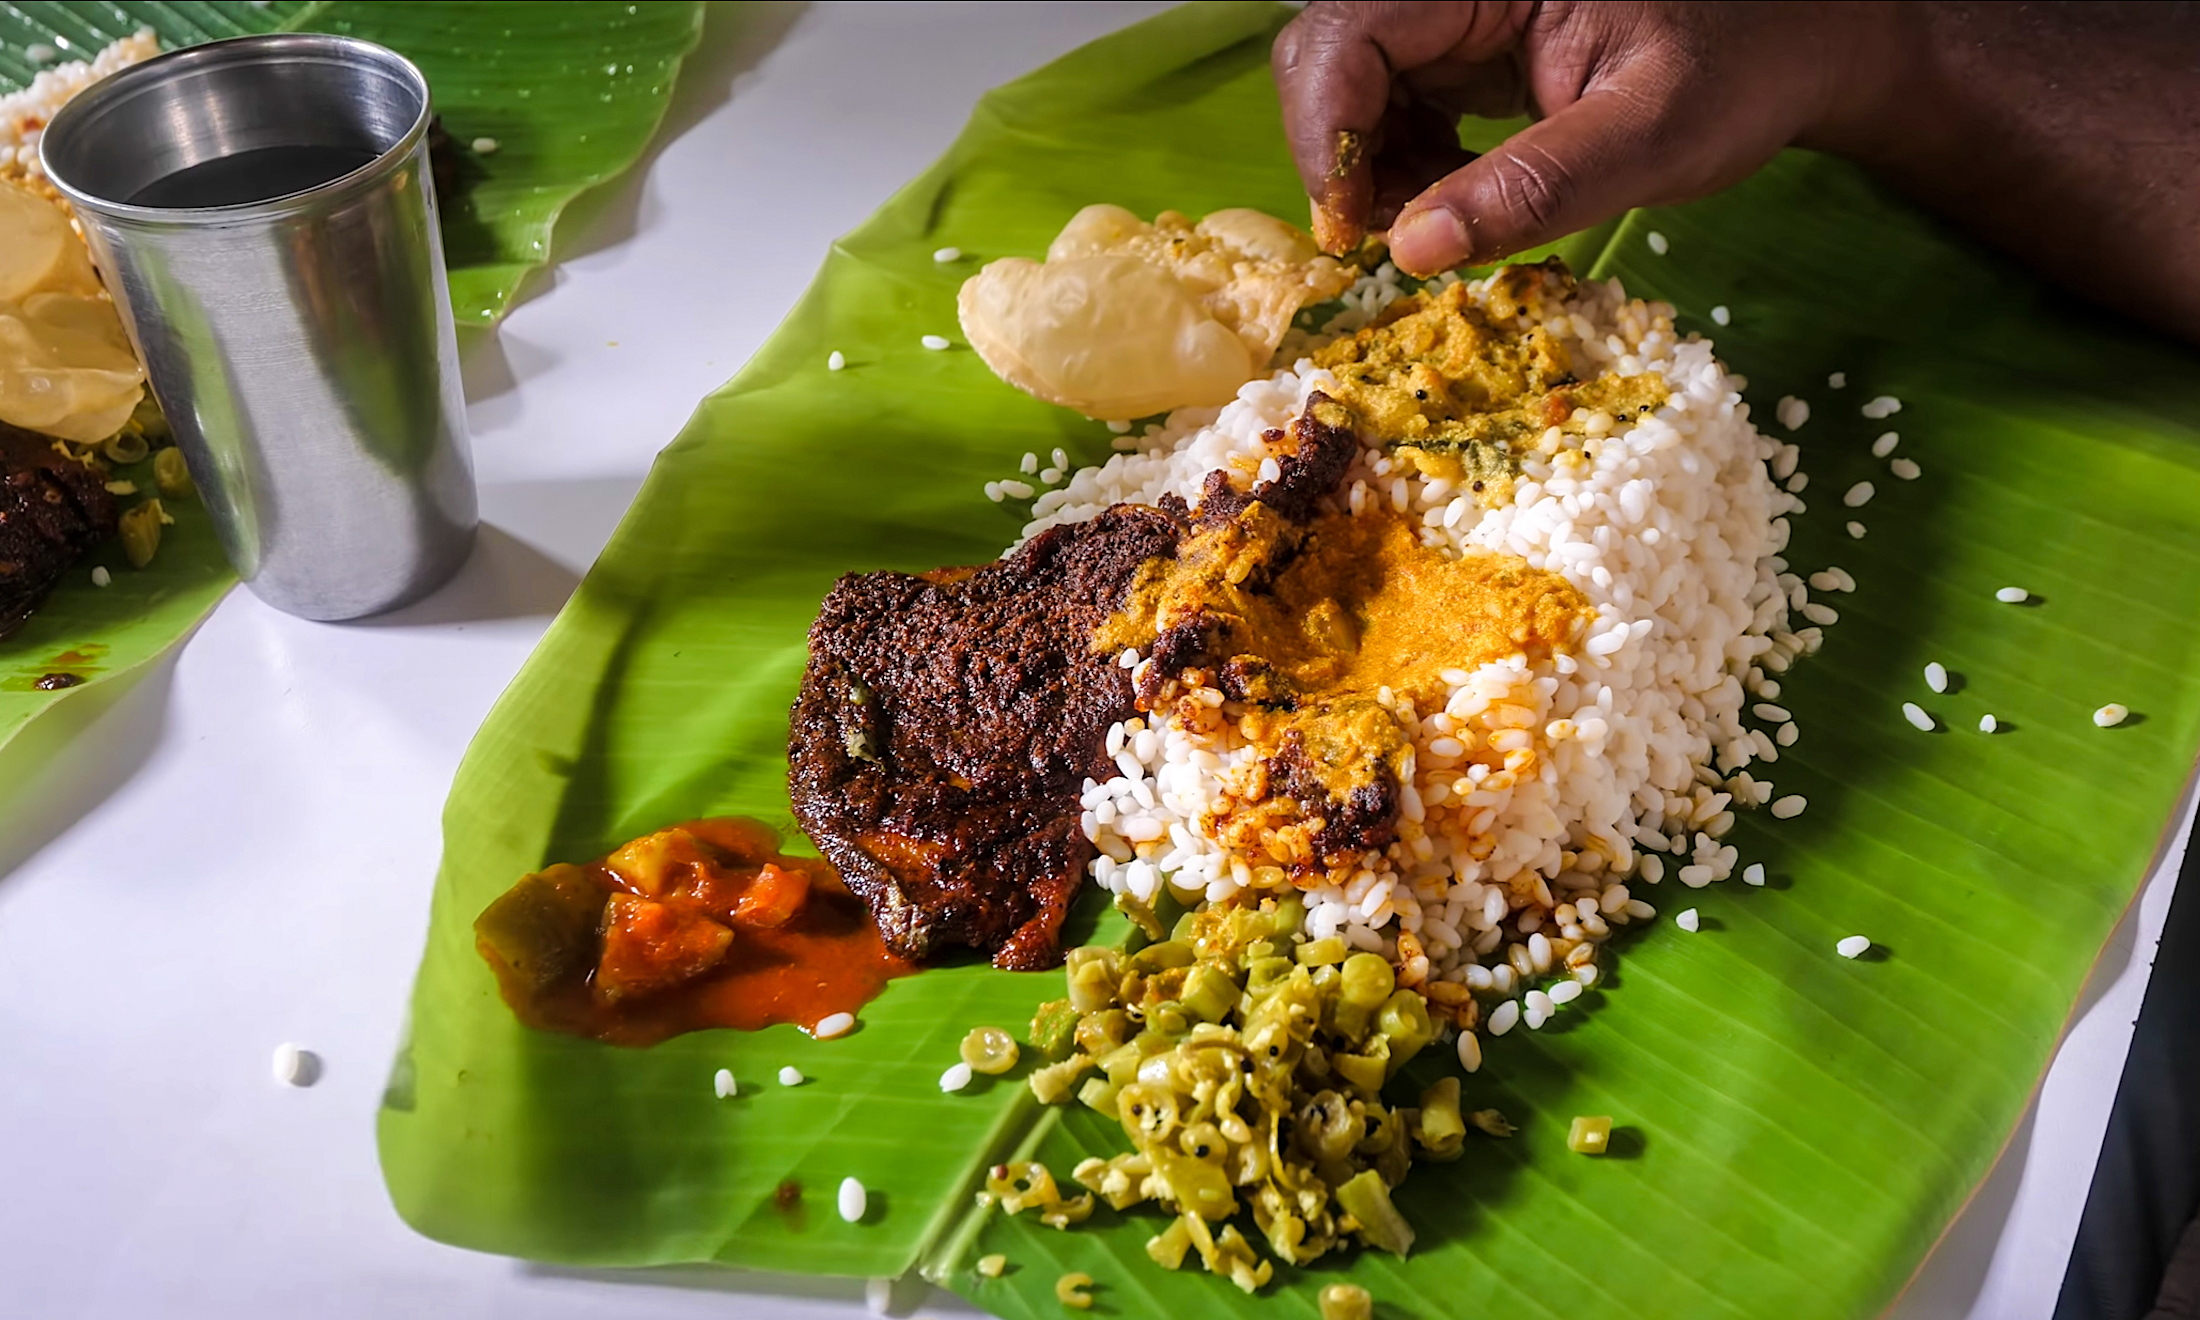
[(1265, 974), (1099, 1094), (1321, 953), (1164, 955), (1442, 1130), (1054, 1027), (1099, 1034), (1368, 980), (1403, 1020), (1209, 993), (1168, 1247), (1093, 974), (1052, 1083), (1364, 1197)]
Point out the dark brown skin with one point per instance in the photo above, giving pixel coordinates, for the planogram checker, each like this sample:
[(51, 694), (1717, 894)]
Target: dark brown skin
[(2058, 132)]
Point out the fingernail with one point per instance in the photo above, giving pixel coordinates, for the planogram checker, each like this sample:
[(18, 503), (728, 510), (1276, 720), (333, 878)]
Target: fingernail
[(1429, 239)]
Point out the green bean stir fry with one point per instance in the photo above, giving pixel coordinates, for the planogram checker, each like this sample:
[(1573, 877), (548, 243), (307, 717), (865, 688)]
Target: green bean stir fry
[(1246, 1064)]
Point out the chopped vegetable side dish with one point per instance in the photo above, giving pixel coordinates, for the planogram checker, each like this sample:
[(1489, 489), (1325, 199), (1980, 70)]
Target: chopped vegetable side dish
[(1246, 1064)]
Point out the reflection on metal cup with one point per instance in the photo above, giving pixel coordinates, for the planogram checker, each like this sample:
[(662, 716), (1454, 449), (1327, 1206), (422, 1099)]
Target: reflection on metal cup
[(263, 213)]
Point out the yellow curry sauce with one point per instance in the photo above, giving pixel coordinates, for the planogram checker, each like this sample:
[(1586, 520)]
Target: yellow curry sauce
[(1458, 391), (1341, 629)]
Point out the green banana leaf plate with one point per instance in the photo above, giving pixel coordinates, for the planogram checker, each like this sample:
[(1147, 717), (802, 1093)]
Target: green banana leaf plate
[(569, 92), (1796, 1129)]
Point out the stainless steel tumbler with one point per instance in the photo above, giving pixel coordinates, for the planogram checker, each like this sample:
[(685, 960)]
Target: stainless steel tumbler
[(298, 330)]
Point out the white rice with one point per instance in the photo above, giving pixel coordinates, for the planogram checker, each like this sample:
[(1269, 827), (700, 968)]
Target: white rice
[(24, 114), (1609, 766)]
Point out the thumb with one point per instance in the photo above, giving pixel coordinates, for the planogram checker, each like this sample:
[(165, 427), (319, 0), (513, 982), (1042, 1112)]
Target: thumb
[(1591, 161)]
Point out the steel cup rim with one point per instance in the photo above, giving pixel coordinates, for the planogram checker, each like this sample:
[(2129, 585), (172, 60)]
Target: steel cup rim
[(139, 78)]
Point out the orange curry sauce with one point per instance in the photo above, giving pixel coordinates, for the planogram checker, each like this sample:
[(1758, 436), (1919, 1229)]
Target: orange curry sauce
[(704, 924)]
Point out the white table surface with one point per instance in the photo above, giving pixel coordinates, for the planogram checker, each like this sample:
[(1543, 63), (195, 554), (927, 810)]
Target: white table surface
[(237, 850)]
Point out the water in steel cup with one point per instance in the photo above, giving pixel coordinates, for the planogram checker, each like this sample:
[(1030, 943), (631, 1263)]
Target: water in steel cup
[(263, 212)]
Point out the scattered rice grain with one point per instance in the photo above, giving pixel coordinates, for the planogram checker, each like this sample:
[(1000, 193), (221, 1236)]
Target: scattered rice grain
[(1754, 874), (295, 1065), (1689, 921), (1904, 468), (791, 1076), (1657, 243), (1936, 676), (836, 361), (1885, 444), (2110, 715), (2012, 595), (1470, 1051), (1858, 496), (854, 1200), (1852, 946), (722, 1082), (947, 254), (1789, 807), (836, 1024), (1987, 724), (1720, 315), (935, 342), (1917, 717)]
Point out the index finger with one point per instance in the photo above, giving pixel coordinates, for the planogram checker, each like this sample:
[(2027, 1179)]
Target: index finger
[(1334, 66)]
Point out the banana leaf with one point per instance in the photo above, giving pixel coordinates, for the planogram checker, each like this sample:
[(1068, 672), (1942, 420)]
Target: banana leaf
[(1795, 1129), (569, 92)]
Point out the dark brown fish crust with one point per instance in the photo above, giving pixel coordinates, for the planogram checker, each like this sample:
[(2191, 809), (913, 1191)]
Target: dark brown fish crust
[(52, 510)]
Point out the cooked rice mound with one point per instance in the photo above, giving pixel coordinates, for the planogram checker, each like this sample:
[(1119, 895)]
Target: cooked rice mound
[(1542, 797)]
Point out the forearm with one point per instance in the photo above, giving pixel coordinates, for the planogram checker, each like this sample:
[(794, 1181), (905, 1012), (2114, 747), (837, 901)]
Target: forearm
[(2068, 135)]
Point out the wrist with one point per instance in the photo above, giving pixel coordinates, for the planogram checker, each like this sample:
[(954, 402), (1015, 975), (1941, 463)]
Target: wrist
[(1879, 88)]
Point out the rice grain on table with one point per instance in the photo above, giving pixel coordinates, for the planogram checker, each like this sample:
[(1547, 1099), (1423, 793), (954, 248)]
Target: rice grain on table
[(1531, 785)]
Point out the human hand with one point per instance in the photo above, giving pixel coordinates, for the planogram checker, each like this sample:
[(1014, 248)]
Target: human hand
[(1637, 104)]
